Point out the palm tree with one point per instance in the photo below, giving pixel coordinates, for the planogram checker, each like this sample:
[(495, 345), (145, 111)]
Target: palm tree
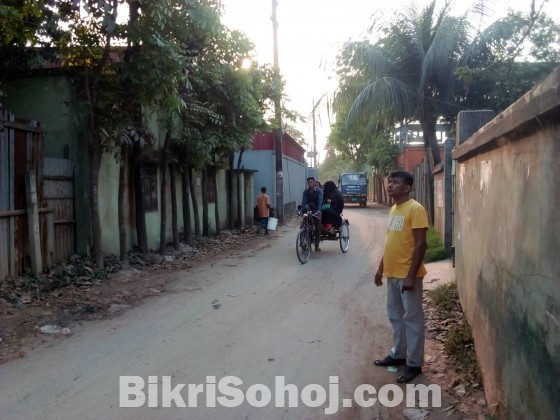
[(409, 73)]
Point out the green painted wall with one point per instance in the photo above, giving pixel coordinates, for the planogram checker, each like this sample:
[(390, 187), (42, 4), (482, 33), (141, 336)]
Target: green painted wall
[(49, 99)]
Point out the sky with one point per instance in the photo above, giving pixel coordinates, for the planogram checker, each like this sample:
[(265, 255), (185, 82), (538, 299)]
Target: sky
[(310, 33)]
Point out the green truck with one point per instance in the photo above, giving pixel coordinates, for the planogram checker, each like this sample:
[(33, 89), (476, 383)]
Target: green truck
[(354, 187)]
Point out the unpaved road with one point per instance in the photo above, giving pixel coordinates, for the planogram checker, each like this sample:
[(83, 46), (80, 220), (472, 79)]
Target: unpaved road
[(256, 315)]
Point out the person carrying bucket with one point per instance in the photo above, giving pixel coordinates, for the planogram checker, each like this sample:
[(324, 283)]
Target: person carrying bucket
[(263, 211)]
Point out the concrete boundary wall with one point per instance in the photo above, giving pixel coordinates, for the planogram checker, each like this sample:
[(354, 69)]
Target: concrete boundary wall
[(507, 240)]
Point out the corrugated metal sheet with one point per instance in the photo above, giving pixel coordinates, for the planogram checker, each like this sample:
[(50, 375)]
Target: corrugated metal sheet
[(6, 197), (290, 147), (263, 141), (20, 151)]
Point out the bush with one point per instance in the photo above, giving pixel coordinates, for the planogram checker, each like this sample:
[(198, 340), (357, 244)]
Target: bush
[(433, 239), (435, 254), (460, 345), (435, 251), (459, 342), (446, 297)]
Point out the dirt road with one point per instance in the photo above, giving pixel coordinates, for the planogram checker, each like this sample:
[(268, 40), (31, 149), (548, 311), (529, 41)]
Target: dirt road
[(256, 315)]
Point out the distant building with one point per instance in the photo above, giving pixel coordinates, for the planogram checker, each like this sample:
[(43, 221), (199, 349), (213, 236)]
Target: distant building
[(262, 159)]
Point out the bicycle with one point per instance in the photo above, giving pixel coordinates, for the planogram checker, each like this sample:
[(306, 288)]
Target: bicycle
[(344, 235), (305, 237)]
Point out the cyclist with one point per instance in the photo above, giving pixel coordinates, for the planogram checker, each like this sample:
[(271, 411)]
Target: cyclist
[(312, 200)]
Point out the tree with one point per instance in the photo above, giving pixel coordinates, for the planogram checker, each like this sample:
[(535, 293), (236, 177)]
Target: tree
[(160, 39), (332, 166), (383, 158), (352, 141), (409, 71), (172, 59), (87, 45), (423, 65), (513, 55), (163, 38), (357, 143), (425, 62), (30, 31), (225, 106)]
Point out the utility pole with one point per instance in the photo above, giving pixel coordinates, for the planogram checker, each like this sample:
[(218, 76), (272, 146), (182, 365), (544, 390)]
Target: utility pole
[(312, 115), (278, 116), (314, 139)]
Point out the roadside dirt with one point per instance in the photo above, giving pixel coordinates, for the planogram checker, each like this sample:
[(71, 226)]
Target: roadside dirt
[(92, 295), (441, 368)]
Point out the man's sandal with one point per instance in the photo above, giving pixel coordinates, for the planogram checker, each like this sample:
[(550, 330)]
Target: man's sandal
[(389, 361), (410, 372)]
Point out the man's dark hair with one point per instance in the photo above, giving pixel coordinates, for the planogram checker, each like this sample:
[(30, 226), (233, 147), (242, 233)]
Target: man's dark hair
[(263, 189), (407, 177), (311, 177)]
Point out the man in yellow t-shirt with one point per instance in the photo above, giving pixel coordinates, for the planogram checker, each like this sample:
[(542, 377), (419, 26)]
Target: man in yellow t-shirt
[(263, 210), (402, 265)]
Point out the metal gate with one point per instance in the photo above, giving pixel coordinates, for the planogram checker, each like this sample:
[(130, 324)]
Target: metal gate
[(21, 143), (21, 152)]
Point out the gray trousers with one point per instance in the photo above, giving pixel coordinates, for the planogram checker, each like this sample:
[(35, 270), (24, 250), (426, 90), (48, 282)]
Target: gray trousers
[(406, 315)]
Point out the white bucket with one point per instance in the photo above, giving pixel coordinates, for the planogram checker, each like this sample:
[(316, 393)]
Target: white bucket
[(272, 223)]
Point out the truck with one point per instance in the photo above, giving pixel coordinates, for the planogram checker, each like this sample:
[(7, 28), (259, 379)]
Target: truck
[(354, 187)]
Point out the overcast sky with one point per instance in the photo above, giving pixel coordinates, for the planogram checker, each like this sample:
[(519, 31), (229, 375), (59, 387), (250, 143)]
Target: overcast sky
[(310, 34)]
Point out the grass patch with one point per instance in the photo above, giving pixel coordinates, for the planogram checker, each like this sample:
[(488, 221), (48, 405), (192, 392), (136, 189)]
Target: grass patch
[(460, 345), (435, 251), (446, 298), (458, 342)]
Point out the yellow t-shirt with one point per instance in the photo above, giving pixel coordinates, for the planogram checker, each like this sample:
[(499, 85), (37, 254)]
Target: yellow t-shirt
[(399, 244)]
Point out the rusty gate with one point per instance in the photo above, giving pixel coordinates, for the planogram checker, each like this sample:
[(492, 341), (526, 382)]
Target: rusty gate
[(58, 195), (21, 143), (21, 151)]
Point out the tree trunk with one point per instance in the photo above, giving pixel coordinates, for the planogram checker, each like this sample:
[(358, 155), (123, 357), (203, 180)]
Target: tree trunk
[(216, 201), (376, 186), (240, 158), (92, 93), (163, 190), (185, 187), (240, 221), (174, 222), (141, 233), (229, 191), (430, 140), (194, 203), (203, 186), (94, 201), (136, 116), (384, 192), (121, 215), (429, 186), (433, 158)]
